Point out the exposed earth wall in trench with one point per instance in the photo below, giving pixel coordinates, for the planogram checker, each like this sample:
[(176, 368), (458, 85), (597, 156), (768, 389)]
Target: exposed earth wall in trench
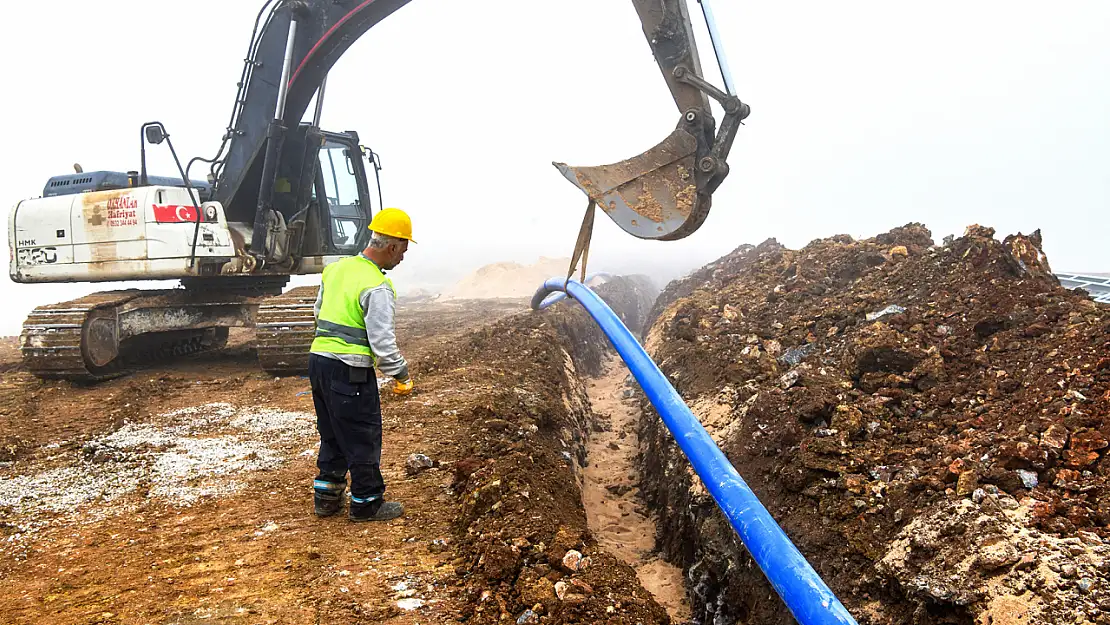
[(927, 422), (518, 479)]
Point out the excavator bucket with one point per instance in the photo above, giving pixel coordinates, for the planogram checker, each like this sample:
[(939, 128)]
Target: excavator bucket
[(653, 195)]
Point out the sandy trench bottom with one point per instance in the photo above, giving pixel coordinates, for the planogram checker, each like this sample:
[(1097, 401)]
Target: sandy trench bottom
[(615, 511)]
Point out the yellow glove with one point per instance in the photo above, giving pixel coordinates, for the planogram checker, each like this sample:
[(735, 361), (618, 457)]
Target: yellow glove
[(402, 388)]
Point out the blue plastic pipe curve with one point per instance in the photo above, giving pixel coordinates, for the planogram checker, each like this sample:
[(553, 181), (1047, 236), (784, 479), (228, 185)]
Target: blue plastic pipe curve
[(806, 595), (550, 298)]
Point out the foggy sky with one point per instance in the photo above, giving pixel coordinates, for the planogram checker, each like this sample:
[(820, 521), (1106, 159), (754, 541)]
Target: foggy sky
[(865, 116)]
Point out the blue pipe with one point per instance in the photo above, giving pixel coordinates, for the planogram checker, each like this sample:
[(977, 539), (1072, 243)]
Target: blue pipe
[(804, 592), (544, 299)]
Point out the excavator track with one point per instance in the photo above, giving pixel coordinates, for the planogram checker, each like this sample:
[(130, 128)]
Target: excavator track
[(80, 340), (71, 340), (284, 331)]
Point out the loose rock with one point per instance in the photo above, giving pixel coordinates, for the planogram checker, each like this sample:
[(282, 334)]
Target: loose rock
[(997, 555), (575, 561), (418, 463), (968, 482), (1028, 478)]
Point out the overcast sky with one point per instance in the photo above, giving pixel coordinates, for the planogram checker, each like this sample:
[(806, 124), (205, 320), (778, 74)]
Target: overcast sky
[(865, 116)]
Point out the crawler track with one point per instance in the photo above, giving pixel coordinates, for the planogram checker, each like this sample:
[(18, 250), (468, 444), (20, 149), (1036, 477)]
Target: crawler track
[(55, 339), (81, 340), (284, 331)]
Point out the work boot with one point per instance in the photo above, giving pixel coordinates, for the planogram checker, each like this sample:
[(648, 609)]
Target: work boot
[(374, 510), (328, 496)]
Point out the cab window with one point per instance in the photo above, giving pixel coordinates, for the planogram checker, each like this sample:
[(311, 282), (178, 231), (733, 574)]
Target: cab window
[(343, 204)]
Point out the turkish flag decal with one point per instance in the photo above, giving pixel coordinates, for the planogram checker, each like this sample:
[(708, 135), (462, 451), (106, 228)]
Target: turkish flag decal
[(174, 214)]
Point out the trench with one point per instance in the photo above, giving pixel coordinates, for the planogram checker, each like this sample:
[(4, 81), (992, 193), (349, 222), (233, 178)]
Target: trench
[(615, 510)]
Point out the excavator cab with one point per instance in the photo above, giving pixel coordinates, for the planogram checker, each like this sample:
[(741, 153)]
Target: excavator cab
[(341, 195), (322, 196)]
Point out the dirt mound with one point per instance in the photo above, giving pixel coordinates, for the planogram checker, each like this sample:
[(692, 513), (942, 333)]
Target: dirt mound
[(928, 423), (506, 280), (184, 494), (521, 528), (631, 297)]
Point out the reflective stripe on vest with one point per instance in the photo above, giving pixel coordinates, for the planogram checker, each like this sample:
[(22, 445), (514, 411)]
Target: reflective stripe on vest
[(356, 336), (340, 326)]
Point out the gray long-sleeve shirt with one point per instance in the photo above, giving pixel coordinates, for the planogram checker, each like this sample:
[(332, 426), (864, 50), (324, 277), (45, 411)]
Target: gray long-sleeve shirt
[(379, 309)]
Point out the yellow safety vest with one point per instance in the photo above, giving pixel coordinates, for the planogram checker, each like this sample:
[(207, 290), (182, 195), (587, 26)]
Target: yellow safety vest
[(340, 326)]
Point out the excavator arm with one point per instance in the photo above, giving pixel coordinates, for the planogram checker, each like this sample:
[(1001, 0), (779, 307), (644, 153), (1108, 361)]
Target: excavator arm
[(275, 216), (294, 46), (664, 193)]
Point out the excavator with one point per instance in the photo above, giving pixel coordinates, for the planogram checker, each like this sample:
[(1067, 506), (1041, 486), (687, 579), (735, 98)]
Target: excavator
[(283, 197)]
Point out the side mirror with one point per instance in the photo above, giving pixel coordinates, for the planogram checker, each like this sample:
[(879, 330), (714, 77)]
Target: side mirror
[(371, 156), (155, 135)]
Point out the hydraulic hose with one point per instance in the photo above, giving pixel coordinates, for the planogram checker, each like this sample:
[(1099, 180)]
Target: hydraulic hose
[(806, 595)]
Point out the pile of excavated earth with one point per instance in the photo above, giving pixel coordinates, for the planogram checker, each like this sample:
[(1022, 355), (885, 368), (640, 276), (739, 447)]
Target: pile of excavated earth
[(183, 494), (928, 423), (508, 280)]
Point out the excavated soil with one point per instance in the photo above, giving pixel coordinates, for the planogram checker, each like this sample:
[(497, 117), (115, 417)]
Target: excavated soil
[(505, 280), (927, 422), (183, 494), (532, 556)]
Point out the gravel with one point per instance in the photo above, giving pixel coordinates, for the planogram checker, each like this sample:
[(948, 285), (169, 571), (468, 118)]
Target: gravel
[(178, 458)]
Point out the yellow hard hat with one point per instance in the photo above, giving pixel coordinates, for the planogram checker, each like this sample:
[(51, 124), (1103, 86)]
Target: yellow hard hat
[(392, 222)]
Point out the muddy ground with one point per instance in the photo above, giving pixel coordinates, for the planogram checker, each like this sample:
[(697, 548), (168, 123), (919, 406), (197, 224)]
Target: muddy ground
[(927, 421), (183, 494)]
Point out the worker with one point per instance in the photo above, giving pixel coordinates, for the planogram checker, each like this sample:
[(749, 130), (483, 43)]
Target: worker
[(354, 334)]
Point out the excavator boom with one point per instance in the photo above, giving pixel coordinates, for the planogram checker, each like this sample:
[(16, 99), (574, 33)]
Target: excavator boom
[(288, 60), (664, 193), (670, 34)]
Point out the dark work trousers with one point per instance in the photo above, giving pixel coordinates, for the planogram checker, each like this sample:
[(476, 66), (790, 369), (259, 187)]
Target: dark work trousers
[(349, 420)]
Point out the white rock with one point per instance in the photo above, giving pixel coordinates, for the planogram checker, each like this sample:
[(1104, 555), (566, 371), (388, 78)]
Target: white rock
[(410, 604)]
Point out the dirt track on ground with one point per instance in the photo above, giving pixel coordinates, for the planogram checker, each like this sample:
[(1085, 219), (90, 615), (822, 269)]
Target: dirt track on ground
[(183, 494), (611, 489), (255, 554)]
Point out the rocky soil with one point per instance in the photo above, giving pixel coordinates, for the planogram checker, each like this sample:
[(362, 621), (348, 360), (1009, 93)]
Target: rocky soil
[(927, 422), (183, 494), (530, 554)]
